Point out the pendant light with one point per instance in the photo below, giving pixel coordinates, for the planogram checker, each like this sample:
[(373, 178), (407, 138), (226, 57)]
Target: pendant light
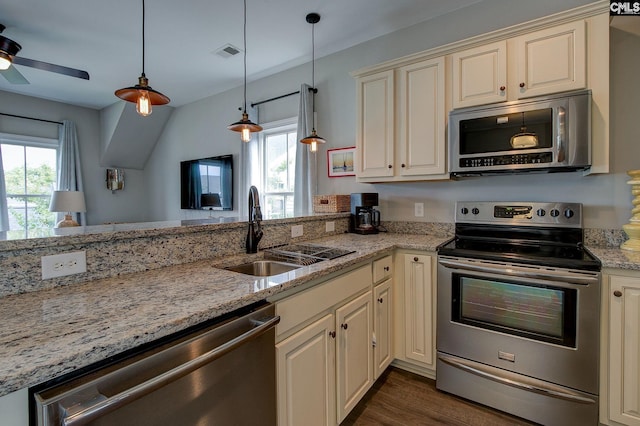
[(313, 139), (142, 94), (245, 126)]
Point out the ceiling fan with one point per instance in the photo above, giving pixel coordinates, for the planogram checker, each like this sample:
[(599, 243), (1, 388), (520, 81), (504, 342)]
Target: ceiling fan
[(8, 51)]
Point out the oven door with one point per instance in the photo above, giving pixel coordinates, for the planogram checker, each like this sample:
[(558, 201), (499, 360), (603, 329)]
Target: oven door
[(535, 321)]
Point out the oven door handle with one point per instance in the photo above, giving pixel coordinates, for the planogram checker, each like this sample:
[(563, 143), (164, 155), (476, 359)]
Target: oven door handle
[(518, 271), (510, 379), (110, 404)]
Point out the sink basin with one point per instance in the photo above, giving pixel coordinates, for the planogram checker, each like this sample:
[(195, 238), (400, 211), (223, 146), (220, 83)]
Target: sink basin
[(263, 268)]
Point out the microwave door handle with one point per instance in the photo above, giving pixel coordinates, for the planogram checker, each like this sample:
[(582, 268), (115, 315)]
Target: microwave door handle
[(561, 138)]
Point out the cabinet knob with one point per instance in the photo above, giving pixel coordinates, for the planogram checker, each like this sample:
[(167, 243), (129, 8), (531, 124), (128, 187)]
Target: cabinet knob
[(386, 268), (332, 334), (521, 84), (502, 88), (344, 326), (415, 259), (403, 165), (380, 300), (617, 293), (390, 166)]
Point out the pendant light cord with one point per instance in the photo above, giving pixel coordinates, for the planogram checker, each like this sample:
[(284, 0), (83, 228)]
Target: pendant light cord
[(313, 75), (143, 38), (244, 34)]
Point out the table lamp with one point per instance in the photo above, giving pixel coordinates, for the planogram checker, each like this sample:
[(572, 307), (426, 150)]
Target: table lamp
[(67, 202)]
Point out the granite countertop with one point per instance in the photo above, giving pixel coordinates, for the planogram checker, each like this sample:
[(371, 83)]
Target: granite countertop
[(52, 332), (616, 258)]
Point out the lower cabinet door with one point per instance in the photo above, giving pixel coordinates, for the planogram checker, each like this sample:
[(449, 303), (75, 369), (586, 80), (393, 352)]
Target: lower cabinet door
[(353, 352), (306, 376), (419, 310), (382, 327)]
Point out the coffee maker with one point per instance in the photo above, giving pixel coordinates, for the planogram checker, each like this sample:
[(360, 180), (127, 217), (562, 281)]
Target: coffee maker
[(365, 219)]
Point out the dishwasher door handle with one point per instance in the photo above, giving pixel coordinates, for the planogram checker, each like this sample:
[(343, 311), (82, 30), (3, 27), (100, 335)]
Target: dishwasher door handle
[(108, 405)]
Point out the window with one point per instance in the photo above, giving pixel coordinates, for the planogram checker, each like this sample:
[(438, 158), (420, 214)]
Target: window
[(278, 155), (29, 165)]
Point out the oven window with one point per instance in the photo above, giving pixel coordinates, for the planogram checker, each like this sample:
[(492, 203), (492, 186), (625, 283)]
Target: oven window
[(543, 313), (493, 134)]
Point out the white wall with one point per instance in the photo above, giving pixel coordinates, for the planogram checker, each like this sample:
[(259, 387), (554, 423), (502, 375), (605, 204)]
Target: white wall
[(199, 129)]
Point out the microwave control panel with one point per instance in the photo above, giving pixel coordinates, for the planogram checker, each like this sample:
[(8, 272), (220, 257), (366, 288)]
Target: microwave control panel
[(507, 160)]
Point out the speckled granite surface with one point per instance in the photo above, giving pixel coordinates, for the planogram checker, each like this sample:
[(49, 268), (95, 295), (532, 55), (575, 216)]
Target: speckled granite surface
[(616, 258), (51, 332)]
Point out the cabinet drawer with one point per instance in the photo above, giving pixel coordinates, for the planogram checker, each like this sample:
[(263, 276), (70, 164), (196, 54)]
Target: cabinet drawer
[(382, 269), (297, 309)]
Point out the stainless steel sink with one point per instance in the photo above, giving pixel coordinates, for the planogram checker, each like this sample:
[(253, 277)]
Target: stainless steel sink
[(263, 268)]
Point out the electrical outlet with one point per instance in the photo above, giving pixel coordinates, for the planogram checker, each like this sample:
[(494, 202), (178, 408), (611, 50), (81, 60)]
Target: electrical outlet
[(296, 231), (330, 226), (418, 209), (59, 265)]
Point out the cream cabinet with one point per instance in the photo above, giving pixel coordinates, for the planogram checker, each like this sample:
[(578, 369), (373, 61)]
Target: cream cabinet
[(537, 63), (479, 75), (324, 349), (382, 315), (306, 375), (623, 363), (401, 123), (14, 408), (415, 308), (376, 127), (354, 367)]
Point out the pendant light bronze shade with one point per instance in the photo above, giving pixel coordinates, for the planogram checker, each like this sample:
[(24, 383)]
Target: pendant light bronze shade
[(313, 139), (245, 126), (142, 94)]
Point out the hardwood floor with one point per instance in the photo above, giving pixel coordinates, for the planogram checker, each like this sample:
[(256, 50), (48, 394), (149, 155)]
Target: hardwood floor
[(400, 398)]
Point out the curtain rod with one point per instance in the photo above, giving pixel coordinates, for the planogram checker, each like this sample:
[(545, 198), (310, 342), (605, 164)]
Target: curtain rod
[(311, 89), (31, 118)]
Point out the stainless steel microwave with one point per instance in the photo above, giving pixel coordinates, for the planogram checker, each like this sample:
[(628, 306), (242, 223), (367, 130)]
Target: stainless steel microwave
[(543, 134)]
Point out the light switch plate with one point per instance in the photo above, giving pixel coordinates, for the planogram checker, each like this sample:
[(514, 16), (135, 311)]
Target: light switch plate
[(297, 231), (419, 209), (59, 265)]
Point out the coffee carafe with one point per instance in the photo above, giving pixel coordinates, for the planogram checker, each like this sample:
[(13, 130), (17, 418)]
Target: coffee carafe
[(365, 219)]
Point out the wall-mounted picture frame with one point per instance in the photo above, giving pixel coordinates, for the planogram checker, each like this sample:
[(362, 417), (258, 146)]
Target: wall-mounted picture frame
[(341, 162)]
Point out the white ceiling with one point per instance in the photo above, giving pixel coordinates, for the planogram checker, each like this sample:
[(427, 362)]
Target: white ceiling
[(105, 39)]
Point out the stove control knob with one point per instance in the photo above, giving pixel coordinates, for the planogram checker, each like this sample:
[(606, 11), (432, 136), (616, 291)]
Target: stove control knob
[(475, 210), (541, 212), (464, 210), (568, 213), (555, 213)]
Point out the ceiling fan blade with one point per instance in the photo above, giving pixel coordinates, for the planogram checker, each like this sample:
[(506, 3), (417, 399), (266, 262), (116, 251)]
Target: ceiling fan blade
[(13, 76), (45, 66)]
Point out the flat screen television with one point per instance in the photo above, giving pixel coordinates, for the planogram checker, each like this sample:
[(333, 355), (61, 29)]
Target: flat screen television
[(207, 183)]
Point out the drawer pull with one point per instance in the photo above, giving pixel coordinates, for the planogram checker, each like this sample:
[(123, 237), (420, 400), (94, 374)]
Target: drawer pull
[(386, 268), (617, 293), (380, 300), (415, 259), (344, 326)]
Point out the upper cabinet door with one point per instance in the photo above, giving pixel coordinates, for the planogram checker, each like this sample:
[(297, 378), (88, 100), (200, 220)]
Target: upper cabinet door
[(551, 60), (480, 75), (375, 132), (421, 117)]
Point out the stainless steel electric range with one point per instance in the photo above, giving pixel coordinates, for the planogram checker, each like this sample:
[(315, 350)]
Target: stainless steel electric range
[(518, 311)]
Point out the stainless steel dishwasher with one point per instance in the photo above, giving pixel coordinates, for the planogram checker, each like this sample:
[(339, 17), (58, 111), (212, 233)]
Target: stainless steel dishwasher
[(222, 374)]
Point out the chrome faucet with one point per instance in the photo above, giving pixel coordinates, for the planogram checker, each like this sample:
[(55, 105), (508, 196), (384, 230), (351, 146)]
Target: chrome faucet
[(254, 233)]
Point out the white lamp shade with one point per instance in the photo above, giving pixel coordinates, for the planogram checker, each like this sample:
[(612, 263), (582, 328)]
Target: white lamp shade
[(67, 201)]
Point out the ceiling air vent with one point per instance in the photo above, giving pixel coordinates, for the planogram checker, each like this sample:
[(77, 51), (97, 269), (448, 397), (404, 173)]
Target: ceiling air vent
[(227, 51)]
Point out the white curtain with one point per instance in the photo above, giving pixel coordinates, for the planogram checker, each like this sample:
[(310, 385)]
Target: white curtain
[(69, 170), (306, 175), (251, 165), (4, 210)]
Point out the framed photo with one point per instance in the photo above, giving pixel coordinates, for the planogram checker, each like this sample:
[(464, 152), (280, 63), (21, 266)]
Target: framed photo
[(341, 162)]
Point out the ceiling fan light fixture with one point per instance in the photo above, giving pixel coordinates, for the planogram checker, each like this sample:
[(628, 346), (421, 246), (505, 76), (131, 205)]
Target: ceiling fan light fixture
[(5, 61), (245, 126), (142, 94)]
